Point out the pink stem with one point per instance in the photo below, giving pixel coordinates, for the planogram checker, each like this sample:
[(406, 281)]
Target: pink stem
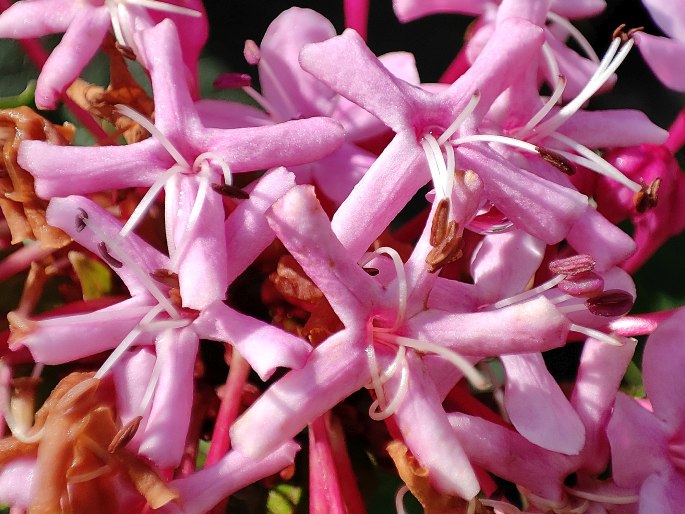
[(228, 411), (676, 133), (22, 259), (357, 16), (325, 494)]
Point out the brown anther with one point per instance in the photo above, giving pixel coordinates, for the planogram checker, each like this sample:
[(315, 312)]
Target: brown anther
[(647, 197), (440, 222), (558, 161), (81, 218), (124, 436), (175, 296), (232, 191), (372, 271), (104, 253), (620, 32), (20, 327), (125, 51), (448, 250), (166, 277)]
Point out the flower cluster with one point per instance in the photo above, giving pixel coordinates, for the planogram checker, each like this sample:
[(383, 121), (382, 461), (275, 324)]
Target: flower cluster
[(352, 228)]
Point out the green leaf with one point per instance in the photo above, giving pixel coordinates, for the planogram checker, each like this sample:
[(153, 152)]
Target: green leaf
[(95, 277), (283, 499), (23, 98), (632, 381)]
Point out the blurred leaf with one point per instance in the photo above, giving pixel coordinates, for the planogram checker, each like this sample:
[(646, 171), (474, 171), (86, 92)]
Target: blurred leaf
[(283, 499), (202, 450), (95, 277), (632, 381), (23, 98)]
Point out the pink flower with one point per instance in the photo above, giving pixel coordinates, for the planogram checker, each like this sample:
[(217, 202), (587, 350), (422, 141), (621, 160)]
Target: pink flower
[(654, 439), (85, 25)]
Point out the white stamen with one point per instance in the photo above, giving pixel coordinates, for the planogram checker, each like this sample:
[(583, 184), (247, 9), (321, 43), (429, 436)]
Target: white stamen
[(434, 168), (113, 8), (503, 507), (267, 73), (154, 131), (606, 68), (141, 274), (187, 235), (146, 201), (127, 342), (470, 107), (493, 138), (599, 165), (164, 7), (596, 334), (523, 132), (402, 288), (575, 34), (442, 178), (474, 376), (150, 389), (260, 100), (159, 326), (530, 293), (399, 499), (376, 383), (37, 370), (391, 408), (215, 157), (400, 357), (603, 498), (550, 59)]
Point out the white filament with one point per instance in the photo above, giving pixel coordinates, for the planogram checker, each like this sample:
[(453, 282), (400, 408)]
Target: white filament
[(154, 131), (470, 107), (399, 499), (151, 388), (575, 34), (390, 408), (603, 498), (141, 274), (530, 293), (127, 342), (608, 65), (544, 110), (402, 288), (596, 334), (599, 165), (164, 7)]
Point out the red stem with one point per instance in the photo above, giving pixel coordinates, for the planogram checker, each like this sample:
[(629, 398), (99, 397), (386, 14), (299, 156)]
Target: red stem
[(228, 411), (456, 68), (357, 16), (325, 494), (346, 475)]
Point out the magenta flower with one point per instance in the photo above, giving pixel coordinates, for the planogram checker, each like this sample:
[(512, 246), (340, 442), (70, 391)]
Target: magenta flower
[(85, 25)]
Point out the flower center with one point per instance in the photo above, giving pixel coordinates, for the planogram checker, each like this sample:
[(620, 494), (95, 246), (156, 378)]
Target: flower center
[(382, 408)]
